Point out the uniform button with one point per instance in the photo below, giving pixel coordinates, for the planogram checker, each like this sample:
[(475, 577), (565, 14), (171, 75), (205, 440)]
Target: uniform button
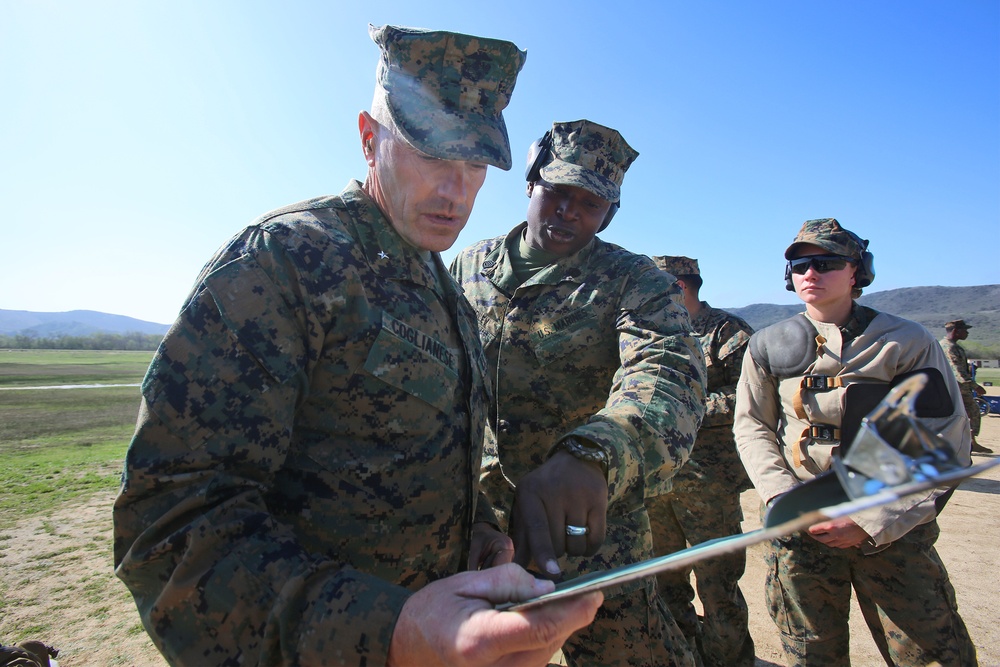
[(503, 426), (488, 264)]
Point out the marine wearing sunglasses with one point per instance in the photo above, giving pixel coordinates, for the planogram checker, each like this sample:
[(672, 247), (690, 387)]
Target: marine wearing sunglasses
[(819, 263)]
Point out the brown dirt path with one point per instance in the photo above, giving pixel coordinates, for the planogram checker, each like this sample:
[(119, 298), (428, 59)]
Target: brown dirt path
[(56, 573)]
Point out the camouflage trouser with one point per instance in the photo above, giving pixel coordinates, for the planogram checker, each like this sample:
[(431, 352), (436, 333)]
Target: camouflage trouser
[(972, 409), (695, 512), (633, 628), (27, 654), (903, 591)]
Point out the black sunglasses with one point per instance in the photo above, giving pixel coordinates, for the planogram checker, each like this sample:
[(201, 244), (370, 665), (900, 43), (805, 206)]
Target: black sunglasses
[(819, 263)]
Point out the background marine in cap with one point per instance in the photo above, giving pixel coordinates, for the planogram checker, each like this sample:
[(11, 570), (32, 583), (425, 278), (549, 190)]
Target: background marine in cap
[(804, 387), (303, 479), (704, 503), (599, 387), (955, 331)]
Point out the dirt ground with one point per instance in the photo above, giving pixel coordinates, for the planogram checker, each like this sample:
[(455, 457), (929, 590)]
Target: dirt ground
[(61, 566)]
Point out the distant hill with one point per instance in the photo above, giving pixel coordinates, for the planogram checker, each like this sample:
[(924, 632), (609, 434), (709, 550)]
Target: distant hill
[(72, 323), (930, 306)]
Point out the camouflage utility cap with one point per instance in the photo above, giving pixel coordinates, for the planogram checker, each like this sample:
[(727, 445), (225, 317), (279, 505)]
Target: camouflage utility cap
[(589, 156), (678, 266), (446, 91), (956, 324), (830, 236)]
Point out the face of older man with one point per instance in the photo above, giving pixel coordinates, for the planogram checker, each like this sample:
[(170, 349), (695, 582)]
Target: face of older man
[(426, 199)]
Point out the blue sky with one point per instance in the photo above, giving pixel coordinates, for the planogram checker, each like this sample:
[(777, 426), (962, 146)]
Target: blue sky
[(136, 137)]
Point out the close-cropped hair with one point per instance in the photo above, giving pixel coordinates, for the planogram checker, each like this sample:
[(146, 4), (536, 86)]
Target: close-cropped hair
[(692, 280), (380, 109), (380, 112)]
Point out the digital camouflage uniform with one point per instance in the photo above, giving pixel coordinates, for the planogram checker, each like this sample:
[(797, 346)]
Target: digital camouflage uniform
[(788, 429), (597, 345), (704, 503), (959, 362), (310, 436), (307, 446)]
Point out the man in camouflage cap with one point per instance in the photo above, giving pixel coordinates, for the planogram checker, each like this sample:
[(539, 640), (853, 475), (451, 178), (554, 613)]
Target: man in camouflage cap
[(704, 502), (445, 92), (599, 388), (955, 331), (302, 486), (796, 401)]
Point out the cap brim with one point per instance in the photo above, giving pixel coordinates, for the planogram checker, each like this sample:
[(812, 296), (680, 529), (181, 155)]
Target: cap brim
[(444, 134), (559, 172), (834, 248)]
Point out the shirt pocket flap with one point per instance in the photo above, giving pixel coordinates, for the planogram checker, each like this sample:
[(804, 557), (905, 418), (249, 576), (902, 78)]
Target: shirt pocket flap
[(566, 335), (414, 362)]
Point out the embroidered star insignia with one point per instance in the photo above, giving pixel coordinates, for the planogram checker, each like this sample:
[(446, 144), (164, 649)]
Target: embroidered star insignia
[(382, 255)]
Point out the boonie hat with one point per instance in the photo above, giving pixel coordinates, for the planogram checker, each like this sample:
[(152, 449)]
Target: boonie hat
[(589, 156), (828, 234), (446, 91), (956, 324), (678, 266)]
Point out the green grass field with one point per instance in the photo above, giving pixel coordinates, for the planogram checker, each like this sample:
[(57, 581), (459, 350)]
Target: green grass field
[(32, 368), (61, 444), (984, 375), (61, 448)]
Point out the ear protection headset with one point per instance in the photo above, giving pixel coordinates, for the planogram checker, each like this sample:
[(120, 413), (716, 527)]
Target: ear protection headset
[(863, 277), (539, 154)]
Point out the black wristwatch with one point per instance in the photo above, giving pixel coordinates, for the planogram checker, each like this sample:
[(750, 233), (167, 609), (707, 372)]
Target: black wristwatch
[(584, 451)]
